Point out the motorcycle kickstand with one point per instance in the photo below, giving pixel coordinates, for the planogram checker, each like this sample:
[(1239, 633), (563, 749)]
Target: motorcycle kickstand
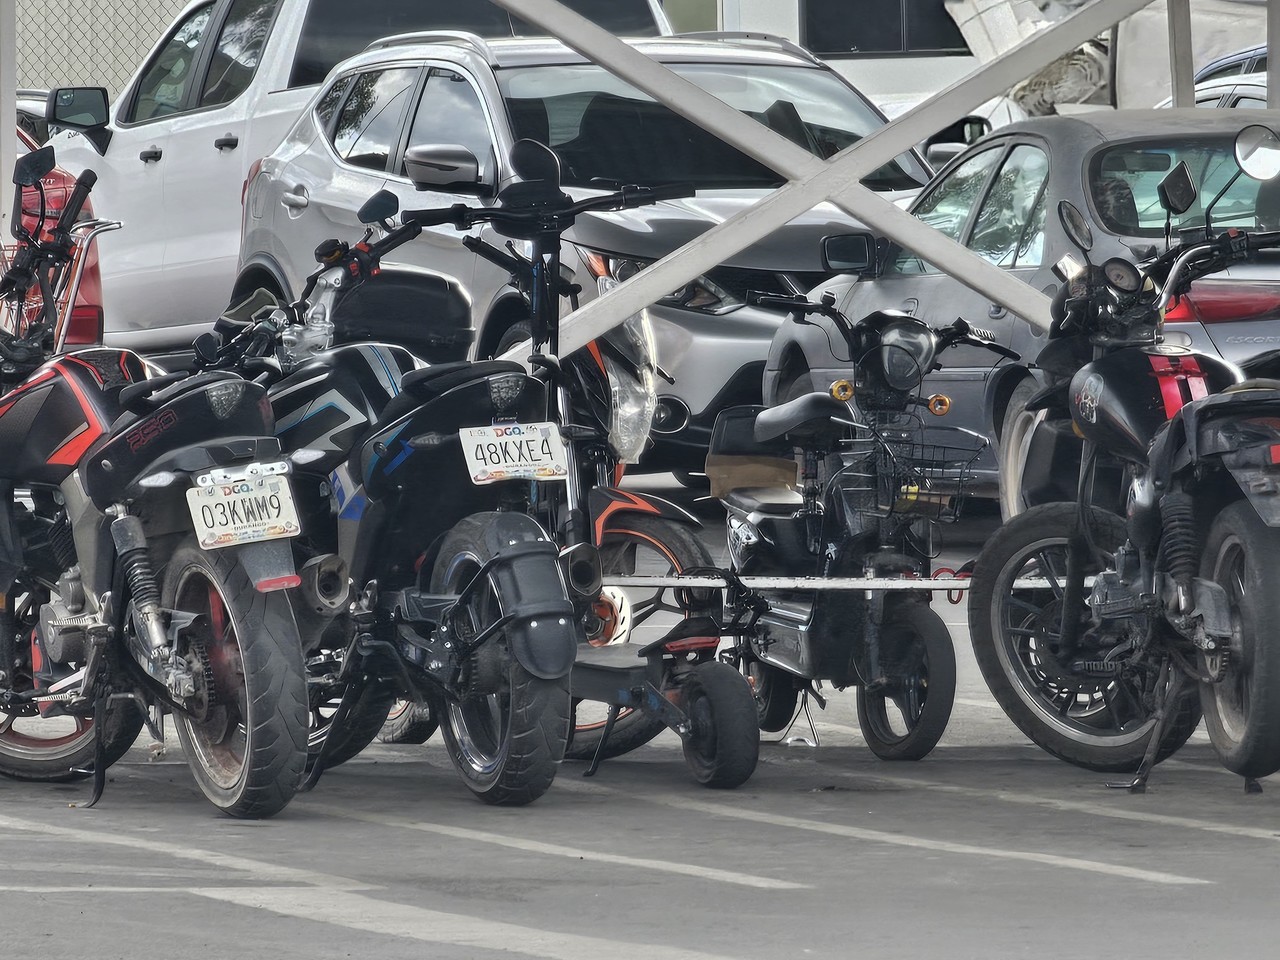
[(99, 770), (813, 728), (349, 697), (1139, 782), (1251, 785), (598, 758)]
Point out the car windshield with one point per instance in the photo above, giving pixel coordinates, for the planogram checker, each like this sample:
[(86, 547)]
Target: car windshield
[(1123, 181), (604, 128)]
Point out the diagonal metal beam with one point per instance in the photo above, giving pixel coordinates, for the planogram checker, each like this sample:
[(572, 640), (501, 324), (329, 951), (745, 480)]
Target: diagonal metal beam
[(812, 180)]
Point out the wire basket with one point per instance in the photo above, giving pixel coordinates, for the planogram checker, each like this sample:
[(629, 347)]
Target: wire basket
[(898, 466), (16, 317)]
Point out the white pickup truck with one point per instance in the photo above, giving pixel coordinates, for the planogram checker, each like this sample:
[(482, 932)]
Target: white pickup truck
[(218, 92)]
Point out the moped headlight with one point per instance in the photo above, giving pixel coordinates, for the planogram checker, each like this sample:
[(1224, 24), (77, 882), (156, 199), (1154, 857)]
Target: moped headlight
[(906, 354), (634, 400)]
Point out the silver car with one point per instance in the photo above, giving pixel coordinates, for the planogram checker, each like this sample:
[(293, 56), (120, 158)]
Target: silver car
[(424, 89)]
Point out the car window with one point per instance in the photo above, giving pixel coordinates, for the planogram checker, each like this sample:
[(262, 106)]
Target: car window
[(371, 118), (1230, 70), (166, 82), (239, 47), (1249, 103), (1123, 181), (333, 30), (327, 105), (1212, 101), (947, 206), (450, 111), (1004, 232), (605, 128)]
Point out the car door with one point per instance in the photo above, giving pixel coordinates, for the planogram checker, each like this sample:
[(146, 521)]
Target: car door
[(203, 166), (320, 191), (994, 202)]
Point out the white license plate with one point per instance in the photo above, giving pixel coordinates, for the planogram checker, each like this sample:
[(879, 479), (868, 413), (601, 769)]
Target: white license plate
[(514, 451), (242, 506)]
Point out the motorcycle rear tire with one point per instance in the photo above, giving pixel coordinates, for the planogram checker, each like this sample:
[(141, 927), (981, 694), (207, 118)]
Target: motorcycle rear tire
[(928, 667), (248, 750), (1242, 712), (506, 745), (408, 723), (1086, 735)]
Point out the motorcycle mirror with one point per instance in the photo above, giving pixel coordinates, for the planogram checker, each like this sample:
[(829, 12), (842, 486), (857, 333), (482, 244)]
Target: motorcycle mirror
[(532, 160), (1258, 152), (1076, 225), (1177, 191), (33, 167), (206, 347), (383, 205)]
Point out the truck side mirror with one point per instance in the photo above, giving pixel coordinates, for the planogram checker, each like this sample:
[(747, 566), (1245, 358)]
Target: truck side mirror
[(86, 109)]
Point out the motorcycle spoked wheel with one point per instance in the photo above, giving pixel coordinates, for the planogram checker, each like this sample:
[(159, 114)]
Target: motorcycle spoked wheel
[(905, 719), (57, 749), (407, 722), (1098, 724), (506, 739), (643, 546), (1242, 711), (246, 741)]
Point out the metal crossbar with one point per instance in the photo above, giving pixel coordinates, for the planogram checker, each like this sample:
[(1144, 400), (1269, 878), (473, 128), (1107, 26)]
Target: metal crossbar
[(821, 583)]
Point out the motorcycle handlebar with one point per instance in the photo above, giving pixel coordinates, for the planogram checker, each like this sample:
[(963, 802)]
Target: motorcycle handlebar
[(75, 203)]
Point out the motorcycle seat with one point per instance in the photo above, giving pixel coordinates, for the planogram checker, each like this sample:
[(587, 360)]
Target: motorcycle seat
[(803, 418), (419, 386), (783, 500)]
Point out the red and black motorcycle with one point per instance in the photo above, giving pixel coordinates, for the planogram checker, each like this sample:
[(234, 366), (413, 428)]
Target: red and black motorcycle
[(1103, 637), (144, 527)]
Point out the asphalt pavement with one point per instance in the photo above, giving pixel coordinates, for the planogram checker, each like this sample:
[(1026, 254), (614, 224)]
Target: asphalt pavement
[(988, 848)]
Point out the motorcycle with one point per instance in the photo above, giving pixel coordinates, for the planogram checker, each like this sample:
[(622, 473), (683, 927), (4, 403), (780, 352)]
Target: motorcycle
[(1103, 637), (144, 528), (873, 483)]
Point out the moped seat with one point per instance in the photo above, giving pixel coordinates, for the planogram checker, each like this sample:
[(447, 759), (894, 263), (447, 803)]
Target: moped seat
[(783, 500), (803, 418)]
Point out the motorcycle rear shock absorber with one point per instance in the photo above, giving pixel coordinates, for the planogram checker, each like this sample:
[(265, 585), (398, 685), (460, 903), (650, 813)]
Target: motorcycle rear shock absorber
[(1181, 546), (135, 560)]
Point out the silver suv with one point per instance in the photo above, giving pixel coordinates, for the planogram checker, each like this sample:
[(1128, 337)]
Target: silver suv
[(425, 89)]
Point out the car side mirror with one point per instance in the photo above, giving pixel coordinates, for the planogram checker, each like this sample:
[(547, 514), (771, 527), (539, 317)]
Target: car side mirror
[(940, 154), (851, 253), (446, 167), (86, 109)]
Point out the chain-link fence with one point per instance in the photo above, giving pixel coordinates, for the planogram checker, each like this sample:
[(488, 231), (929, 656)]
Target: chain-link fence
[(88, 42)]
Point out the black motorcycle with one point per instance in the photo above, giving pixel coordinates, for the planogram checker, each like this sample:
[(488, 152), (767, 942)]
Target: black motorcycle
[(1103, 637), (874, 480), (144, 527)]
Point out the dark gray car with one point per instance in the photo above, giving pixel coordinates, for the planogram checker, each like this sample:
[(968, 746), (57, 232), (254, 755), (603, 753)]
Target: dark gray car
[(998, 199)]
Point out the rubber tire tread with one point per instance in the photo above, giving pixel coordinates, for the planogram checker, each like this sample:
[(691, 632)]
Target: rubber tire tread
[(271, 651), (1046, 522), (1257, 753), (413, 725), (635, 728), (941, 655), (539, 709), (734, 727)]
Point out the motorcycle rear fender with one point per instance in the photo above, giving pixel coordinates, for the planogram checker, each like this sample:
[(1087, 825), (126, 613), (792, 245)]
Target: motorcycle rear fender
[(269, 565), (608, 503), (192, 459), (543, 629)]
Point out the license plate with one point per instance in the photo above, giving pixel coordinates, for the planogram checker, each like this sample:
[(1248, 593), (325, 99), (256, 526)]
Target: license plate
[(245, 505), (514, 451)]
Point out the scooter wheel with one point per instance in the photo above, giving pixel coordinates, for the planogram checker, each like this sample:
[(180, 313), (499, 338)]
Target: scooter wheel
[(723, 742)]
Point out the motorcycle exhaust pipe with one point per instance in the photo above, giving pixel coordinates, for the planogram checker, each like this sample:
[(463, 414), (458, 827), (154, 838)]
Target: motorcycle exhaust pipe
[(582, 572), (326, 585)]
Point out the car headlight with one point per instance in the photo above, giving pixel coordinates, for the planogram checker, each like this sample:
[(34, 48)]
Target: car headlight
[(702, 293), (906, 353), (634, 399)]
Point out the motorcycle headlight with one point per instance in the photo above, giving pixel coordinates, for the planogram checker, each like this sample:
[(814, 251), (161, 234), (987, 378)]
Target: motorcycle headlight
[(702, 293), (634, 400), (906, 354)]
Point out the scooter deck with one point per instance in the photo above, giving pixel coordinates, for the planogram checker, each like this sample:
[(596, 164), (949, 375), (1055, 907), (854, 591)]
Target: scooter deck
[(612, 674)]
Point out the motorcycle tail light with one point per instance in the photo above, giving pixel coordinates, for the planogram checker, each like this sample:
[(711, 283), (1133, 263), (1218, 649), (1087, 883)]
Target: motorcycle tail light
[(1275, 453), (224, 398), (84, 326)]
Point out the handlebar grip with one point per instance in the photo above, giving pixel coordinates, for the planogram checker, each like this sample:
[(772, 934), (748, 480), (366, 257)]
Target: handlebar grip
[(75, 203), (674, 191), (397, 237), (434, 216), (1002, 350)]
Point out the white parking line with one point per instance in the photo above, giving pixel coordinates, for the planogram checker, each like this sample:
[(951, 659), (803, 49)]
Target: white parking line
[(902, 840), (383, 917), (556, 850)]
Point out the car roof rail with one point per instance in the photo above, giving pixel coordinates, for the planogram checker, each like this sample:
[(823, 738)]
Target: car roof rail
[(459, 37), (755, 36)]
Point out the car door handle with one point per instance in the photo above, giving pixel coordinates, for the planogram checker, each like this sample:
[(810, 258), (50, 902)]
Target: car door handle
[(910, 305), (151, 154), (996, 311), (295, 201), (229, 142)]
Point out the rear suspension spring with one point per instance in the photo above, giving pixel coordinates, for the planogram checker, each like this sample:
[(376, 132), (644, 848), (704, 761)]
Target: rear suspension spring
[(1181, 547)]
